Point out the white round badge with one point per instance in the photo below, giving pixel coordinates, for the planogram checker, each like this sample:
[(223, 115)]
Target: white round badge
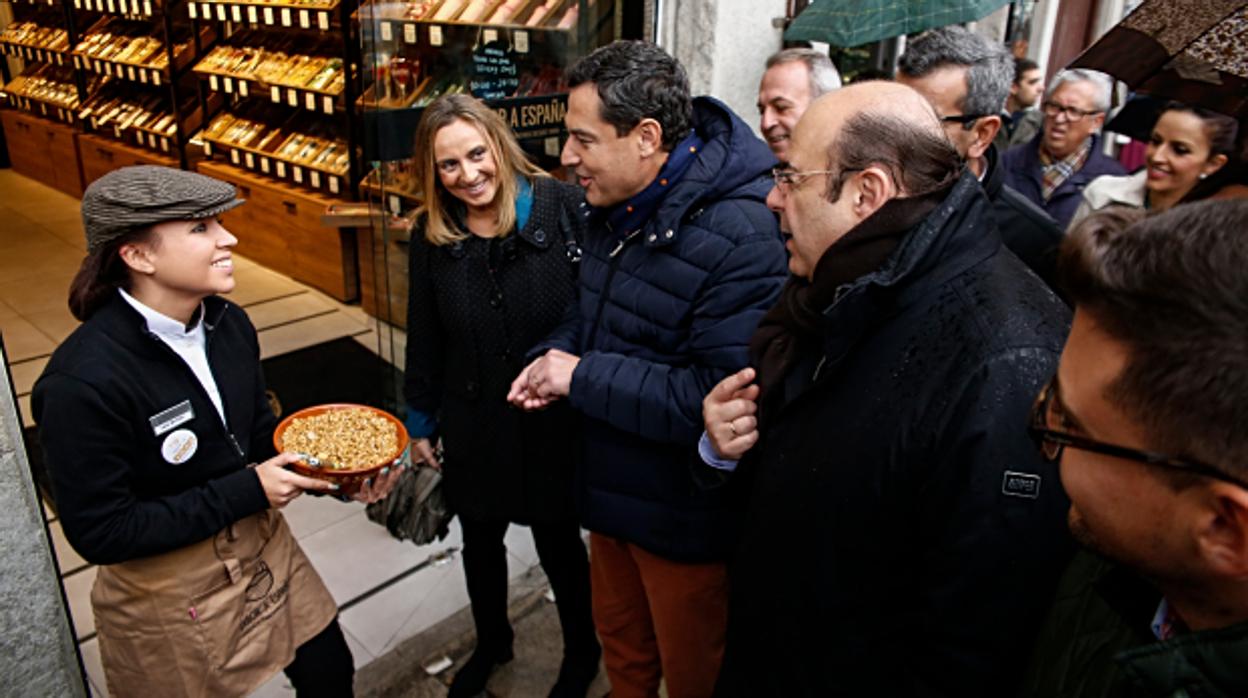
[(179, 446)]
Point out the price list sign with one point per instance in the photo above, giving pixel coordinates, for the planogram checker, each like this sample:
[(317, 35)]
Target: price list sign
[(494, 72)]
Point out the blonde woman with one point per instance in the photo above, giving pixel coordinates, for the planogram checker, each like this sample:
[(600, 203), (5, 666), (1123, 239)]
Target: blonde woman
[(492, 272)]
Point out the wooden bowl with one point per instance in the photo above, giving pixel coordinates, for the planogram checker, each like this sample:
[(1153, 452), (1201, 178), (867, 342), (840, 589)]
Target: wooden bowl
[(348, 481)]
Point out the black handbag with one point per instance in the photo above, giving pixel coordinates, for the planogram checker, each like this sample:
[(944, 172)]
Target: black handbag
[(416, 509)]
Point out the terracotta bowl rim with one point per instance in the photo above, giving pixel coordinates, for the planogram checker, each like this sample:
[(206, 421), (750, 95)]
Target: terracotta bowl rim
[(360, 473)]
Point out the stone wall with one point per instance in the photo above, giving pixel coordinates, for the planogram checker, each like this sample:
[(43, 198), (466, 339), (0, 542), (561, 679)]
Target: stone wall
[(723, 45), (37, 653)]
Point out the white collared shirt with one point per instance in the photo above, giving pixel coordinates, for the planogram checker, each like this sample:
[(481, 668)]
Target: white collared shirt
[(189, 343)]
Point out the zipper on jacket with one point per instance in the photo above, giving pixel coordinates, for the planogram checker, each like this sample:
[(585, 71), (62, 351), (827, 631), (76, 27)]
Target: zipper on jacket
[(612, 264), (208, 334)]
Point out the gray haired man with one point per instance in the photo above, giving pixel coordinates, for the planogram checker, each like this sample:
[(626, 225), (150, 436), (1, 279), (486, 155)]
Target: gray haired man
[(967, 79), (1065, 156), (794, 78)]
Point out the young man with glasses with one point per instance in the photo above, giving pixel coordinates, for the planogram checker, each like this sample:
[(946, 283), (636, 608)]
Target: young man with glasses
[(1065, 156), (966, 78), (901, 537), (1147, 420)]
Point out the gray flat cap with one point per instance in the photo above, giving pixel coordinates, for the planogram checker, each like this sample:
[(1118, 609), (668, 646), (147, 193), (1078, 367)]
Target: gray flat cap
[(143, 195)]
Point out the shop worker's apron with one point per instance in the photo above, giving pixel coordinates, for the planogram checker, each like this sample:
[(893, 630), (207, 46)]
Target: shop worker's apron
[(217, 618)]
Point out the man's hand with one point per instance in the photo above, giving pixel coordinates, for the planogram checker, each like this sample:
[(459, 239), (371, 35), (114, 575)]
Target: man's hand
[(728, 413), (281, 485), (545, 380)]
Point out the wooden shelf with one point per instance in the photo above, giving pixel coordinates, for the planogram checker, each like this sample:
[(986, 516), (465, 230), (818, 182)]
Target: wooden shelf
[(34, 53), (266, 14), (280, 226)]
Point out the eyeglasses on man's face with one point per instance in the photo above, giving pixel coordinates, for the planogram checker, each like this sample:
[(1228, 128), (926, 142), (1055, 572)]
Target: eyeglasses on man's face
[(1073, 114), (786, 177), (1048, 417)]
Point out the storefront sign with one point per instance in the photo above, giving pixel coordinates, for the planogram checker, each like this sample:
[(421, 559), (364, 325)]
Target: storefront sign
[(535, 117)]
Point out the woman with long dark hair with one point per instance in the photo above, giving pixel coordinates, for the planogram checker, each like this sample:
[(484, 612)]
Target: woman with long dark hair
[(159, 441), (491, 275), (1191, 154)]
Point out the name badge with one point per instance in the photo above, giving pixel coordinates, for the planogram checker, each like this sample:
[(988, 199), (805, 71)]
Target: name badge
[(166, 421), (179, 446), (1024, 485)]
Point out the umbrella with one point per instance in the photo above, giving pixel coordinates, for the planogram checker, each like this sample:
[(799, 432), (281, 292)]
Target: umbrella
[(848, 23), (1195, 52)]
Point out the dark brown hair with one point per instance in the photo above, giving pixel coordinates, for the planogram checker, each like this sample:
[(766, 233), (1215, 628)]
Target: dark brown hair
[(1222, 132), (919, 160), (102, 273), (1172, 289)]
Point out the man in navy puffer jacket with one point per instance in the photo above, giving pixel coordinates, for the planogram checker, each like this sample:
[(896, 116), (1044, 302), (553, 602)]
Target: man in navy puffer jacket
[(681, 260)]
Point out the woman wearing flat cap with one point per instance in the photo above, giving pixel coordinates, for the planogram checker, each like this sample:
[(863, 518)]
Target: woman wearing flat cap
[(158, 438)]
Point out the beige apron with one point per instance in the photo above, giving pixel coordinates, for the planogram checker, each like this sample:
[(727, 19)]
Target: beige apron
[(217, 618)]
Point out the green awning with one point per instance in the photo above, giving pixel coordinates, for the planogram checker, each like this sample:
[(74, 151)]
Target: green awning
[(846, 23)]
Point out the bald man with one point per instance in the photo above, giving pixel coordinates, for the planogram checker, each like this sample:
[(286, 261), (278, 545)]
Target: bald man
[(902, 535)]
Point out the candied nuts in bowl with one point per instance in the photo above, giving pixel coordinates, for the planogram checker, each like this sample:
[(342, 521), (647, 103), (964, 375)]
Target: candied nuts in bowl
[(344, 443)]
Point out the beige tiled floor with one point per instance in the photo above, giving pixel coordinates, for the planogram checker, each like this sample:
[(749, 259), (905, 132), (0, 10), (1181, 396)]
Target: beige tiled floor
[(40, 248)]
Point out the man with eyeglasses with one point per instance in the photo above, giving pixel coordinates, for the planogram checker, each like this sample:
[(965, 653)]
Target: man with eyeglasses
[(901, 536), (1147, 422), (1065, 156), (967, 79)]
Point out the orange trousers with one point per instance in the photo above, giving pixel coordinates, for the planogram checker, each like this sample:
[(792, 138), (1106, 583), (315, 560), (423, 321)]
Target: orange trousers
[(657, 619)]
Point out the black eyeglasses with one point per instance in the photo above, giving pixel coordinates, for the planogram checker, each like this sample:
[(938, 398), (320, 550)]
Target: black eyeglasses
[(1073, 114), (967, 120), (1051, 441)]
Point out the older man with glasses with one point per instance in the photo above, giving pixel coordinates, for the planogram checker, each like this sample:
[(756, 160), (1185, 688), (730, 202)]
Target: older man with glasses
[(1065, 156), (1147, 420), (901, 535)]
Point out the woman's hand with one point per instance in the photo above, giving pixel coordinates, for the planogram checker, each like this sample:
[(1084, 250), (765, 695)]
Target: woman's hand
[(376, 489), (281, 485), (422, 452)]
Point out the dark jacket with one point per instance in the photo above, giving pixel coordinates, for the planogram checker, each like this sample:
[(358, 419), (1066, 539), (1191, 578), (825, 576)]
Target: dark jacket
[(1025, 228), (1022, 173), (97, 404), (660, 321), (1097, 643), (475, 307), (903, 535)]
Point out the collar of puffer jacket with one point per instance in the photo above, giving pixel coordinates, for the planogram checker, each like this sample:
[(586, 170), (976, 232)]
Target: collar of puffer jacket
[(732, 159)]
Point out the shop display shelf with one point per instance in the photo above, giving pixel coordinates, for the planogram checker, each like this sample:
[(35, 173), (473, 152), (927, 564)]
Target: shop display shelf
[(319, 101), (291, 15), (390, 20), (123, 8), (34, 53), (48, 110), (266, 163), (396, 199)]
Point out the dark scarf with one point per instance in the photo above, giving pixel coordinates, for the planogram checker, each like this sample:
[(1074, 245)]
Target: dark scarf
[(795, 324)]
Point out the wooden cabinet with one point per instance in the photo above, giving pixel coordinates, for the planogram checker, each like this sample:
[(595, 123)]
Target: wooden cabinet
[(383, 275), (102, 155), (280, 227), (43, 150)]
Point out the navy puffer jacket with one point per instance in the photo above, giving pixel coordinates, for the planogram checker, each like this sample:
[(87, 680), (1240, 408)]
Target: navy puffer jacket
[(661, 318)]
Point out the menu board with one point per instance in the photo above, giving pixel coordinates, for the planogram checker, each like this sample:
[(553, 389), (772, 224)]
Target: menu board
[(494, 71)]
